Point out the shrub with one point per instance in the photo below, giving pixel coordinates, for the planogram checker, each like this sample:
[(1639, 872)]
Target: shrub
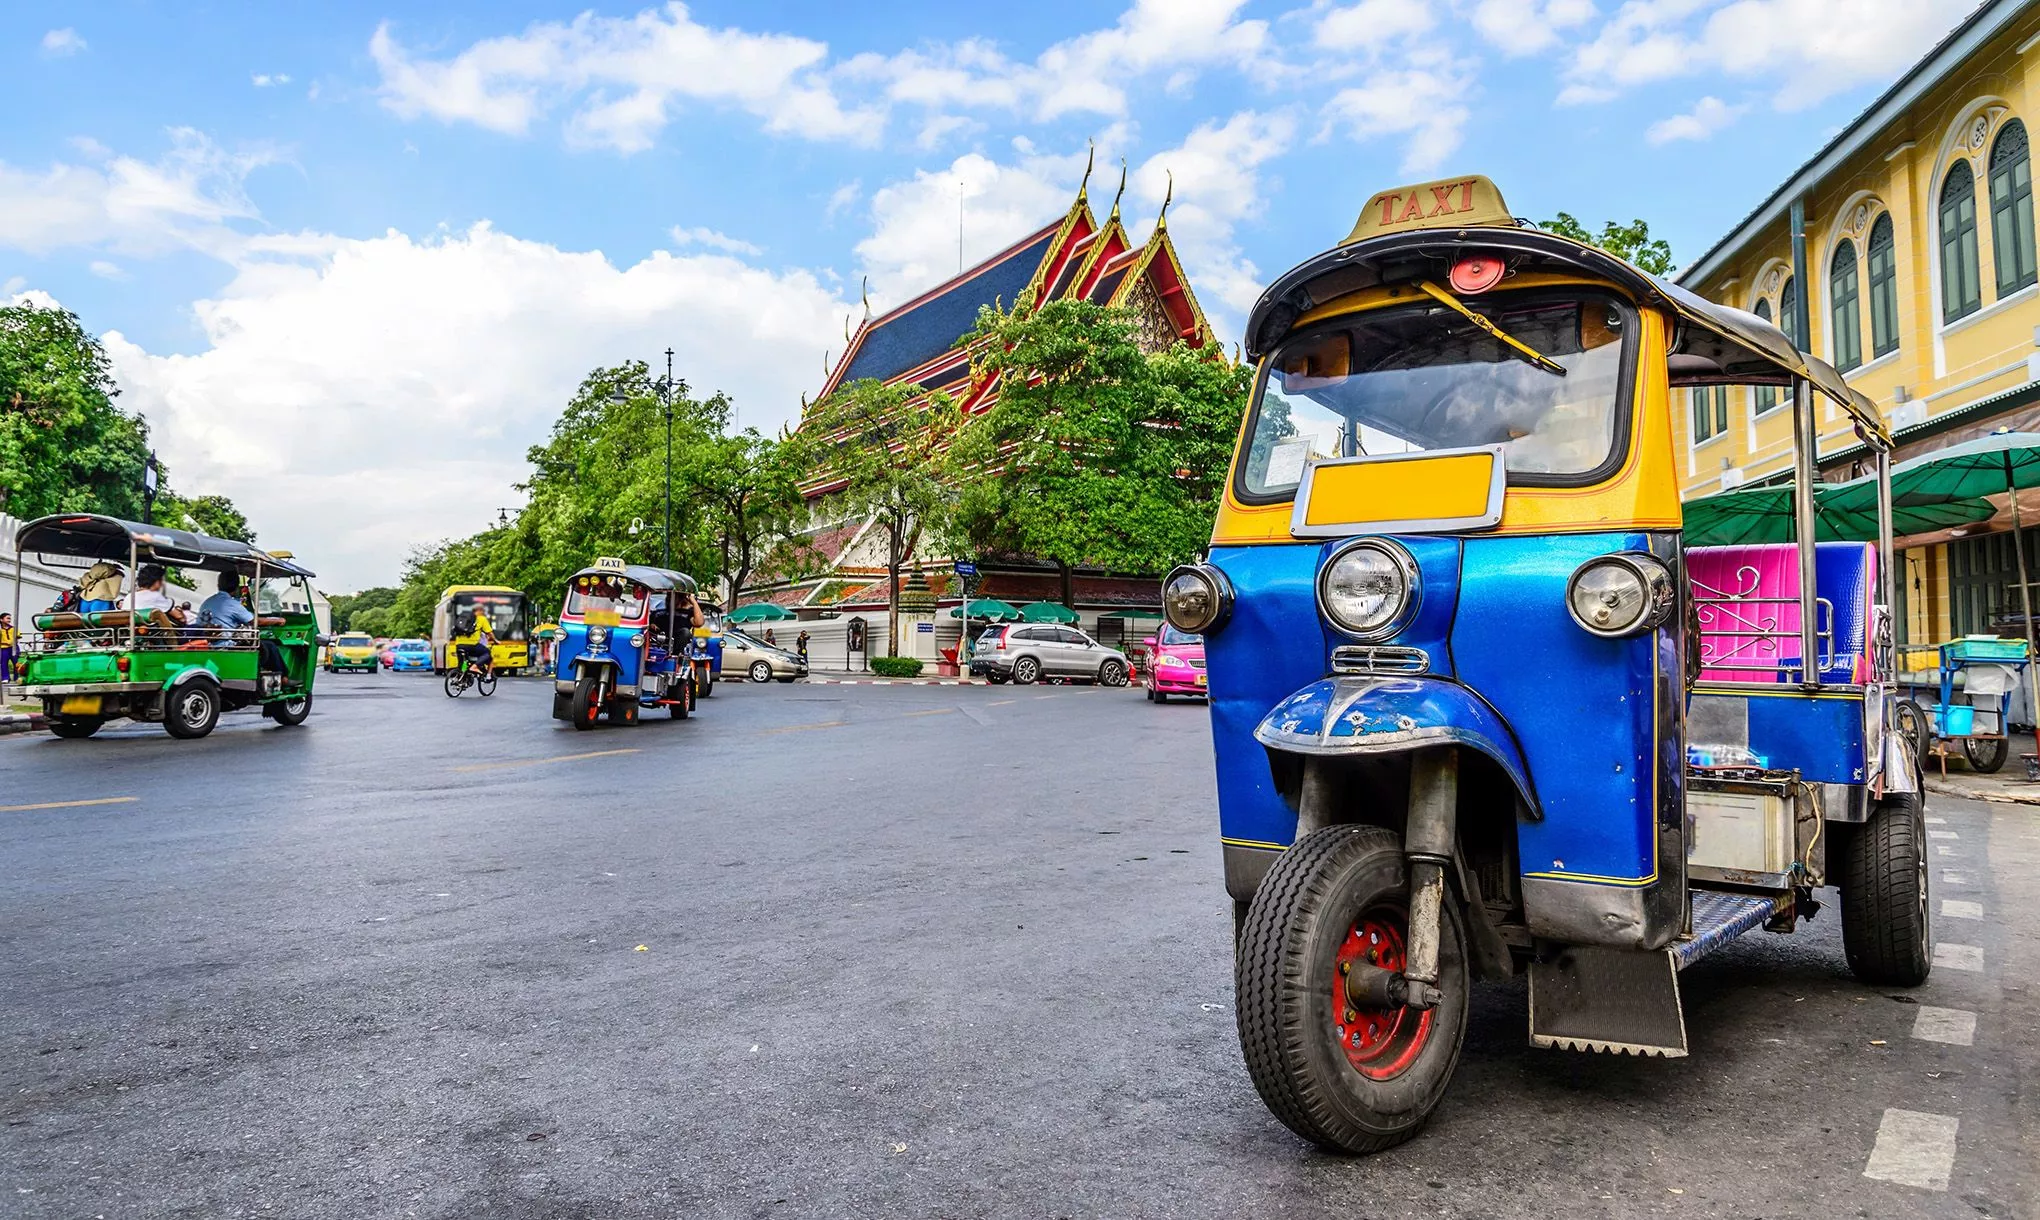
[(896, 667)]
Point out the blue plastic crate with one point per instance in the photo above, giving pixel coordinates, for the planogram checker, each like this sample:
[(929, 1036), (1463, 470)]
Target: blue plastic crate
[(1954, 720), (1986, 648)]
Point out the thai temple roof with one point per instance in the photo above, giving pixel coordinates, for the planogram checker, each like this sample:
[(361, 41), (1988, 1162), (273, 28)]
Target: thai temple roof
[(908, 336)]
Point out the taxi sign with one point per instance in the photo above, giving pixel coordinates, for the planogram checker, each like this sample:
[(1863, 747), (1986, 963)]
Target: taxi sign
[(1448, 203), (610, 563)]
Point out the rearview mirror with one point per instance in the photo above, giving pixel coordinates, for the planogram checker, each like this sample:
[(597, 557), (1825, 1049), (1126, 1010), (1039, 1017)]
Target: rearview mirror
[(1149, 642)]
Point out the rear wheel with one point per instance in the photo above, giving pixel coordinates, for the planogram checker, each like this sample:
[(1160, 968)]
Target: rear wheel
[(761, 671), (1112, 673), (1346, 1077), (289, 712), (191, 710), (1986, 754), (683, 699), (76, 727), (454, 685), (1026, 671), (1886, 932), (624, 708), (583, 707), (486, 684)]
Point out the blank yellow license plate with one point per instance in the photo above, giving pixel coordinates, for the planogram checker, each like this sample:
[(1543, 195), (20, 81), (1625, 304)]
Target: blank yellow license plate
[(1200, 679), (602, 618), (79, 705)]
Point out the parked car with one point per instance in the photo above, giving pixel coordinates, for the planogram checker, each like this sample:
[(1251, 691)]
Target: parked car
[(353, 650), (755, 659), (1035, 652), (1175, 666), (406, 656)]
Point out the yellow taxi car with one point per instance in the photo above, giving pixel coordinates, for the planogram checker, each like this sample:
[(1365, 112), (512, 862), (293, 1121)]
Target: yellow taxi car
[(353, 650)]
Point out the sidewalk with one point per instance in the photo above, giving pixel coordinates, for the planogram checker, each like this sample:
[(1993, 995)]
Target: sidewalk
[(2008, 786)]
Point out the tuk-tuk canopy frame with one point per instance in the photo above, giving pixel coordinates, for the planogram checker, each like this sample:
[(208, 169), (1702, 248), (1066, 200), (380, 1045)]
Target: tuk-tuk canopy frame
[(656, 580), (96, 536), (1714, 344)]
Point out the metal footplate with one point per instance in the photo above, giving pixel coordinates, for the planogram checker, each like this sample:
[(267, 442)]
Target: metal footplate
[(1625, 1001)]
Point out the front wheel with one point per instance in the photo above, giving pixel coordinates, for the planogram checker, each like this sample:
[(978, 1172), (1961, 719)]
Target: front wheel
[(486, 684), (1346, 1077), (1025, 671), (193, 709), (290, 712), (1112, 673), (74, 728), (761, 671), (1986, 754), (455, 684), (586, 704), (1886, 933)]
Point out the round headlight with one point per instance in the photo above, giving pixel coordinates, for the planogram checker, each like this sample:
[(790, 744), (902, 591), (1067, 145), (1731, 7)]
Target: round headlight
[(637, 638), (1367, 589), (1196, 598), (1618, 595), (598, 636)]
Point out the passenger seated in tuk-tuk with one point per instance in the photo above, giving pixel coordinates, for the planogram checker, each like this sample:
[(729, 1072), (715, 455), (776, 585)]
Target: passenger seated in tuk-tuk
[(150, 602), (99, 588)]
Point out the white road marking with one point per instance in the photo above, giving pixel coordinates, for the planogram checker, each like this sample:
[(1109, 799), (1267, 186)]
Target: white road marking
[(1945, 850), (1951, 1025), (1937, 821), (103, 800), (1955, 878), (1955, 908), (1913, 1149), (1958, 957), (1942, 834)]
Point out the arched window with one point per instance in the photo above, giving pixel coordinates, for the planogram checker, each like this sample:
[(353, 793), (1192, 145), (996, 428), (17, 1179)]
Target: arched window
[(1845, 307), (1766, 395), (1883, 269), (1788, 312), (1961, 290), (2011, 210)]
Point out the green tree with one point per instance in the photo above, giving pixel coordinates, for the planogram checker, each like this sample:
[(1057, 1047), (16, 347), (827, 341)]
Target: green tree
[(350, 609), (879, 451), (1095, 451), (745, 489), (64, 445), (1631, 242)]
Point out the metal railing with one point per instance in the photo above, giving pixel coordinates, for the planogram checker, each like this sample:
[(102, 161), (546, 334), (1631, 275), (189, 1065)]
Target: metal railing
[(1739, 629)]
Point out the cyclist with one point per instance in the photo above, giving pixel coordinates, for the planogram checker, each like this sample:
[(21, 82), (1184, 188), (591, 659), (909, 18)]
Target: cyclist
[(480, 652)]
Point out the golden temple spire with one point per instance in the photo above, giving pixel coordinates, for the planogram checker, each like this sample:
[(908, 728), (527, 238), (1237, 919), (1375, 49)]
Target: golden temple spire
[(1090, 159), (1162, 217), (1116, 195)]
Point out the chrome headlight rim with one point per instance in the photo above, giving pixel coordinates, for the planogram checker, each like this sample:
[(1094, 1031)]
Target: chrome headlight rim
[(1412, 597), (1660, 593), (1219, 589)]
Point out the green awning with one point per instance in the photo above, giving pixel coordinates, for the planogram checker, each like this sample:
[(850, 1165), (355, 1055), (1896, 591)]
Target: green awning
[(990, 609), (759, 612), (1844, 512), (1047, 612)]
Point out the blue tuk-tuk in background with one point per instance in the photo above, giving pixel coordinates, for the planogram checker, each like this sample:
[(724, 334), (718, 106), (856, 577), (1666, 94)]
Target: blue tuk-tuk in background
[(625, 632), (1480, 708), (706, 649)]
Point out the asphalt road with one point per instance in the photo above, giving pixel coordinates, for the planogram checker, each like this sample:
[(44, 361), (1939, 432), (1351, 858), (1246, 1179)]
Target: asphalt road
[(851, 951)]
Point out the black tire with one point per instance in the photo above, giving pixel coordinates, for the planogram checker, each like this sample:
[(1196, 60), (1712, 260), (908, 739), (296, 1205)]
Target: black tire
[(486, 684), (1026, 671), (682, 707), (1112, 673), (289, 712), (996, 678), (760, 671), (582, 707), (1306, 912), (1909, 717), (191, 710), (706, 689), (454, 685), (623, 709), (562, 706), (1151, 692), (1161, 696), (1986, 754), (75, 728), (1887, 933)]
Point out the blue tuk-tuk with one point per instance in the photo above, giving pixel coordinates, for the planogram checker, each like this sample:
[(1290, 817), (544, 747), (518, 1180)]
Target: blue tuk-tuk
[(1480, 710), (625, 634)]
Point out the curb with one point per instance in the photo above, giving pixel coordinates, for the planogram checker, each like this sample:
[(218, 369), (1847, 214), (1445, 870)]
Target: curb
[(1962, 792), (18, 722)]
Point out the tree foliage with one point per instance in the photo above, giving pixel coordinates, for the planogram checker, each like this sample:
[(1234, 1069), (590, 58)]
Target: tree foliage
[(1631, 242), (1096, 453), (881, 449), (64, 445)]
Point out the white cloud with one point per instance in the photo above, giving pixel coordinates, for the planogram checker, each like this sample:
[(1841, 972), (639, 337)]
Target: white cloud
[(1708, 116), (323, 351), (913, 243), (1217, 172), (106, 270), (265, 80), (1812, 47), (841, 198), (58, 43), (1525, 27), (621, 78), (1371, 24), (702, 236), (126, 204), (1426, 103)]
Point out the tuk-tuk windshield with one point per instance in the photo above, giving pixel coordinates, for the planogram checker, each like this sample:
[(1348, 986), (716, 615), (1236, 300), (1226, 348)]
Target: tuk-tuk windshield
[(605, 594), (1424, 377), (282, 595)]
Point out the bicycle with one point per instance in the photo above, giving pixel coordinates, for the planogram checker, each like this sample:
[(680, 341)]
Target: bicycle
[(464, 676)]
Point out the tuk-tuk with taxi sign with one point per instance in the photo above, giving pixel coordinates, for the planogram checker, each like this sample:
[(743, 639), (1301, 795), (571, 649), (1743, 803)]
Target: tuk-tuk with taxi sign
[(97, 663), (625, 633), (1479, 709)]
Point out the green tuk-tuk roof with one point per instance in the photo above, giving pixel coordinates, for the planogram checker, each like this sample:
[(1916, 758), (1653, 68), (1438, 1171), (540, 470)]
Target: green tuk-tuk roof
[(93, 536)]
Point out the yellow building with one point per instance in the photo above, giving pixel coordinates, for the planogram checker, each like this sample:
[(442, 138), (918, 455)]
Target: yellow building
[(1916, 275)]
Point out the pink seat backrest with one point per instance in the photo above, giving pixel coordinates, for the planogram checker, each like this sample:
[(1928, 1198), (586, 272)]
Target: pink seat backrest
[(1764, 633)]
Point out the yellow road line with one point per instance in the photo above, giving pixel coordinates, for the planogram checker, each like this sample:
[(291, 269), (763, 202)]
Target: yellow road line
[(802, 728), (539, 762), (104, 800), (1001, 702), (933, 711)]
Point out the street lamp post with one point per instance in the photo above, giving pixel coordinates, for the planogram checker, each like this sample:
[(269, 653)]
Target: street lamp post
[(664, 388)]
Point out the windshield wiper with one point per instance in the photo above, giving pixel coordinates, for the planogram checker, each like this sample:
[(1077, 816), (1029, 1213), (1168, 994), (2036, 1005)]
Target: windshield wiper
[(1523, 349)]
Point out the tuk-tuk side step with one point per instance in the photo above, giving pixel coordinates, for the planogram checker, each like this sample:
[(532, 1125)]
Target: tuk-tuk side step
[(1719, 918)]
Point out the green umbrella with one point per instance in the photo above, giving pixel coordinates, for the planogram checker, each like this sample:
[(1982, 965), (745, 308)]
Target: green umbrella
[(1046, 612), (988, 608), (1844, 512), (759, 612)]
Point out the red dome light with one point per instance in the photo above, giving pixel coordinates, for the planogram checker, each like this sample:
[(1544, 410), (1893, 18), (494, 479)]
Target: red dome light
[(1476, 273)]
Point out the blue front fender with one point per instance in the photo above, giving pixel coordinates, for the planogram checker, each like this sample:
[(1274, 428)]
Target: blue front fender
[(1388, 715)]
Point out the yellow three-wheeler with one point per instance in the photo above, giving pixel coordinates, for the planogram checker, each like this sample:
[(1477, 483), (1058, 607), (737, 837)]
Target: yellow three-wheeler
[(1478, 708)]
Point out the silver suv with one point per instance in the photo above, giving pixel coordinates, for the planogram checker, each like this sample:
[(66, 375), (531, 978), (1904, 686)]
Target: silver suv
[(1035, 652)]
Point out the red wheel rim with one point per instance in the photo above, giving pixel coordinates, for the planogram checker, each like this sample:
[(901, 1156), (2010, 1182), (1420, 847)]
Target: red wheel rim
[(1380, 1043)]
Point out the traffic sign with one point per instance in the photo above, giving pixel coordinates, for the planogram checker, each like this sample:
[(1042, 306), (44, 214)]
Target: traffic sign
[(965, 569)]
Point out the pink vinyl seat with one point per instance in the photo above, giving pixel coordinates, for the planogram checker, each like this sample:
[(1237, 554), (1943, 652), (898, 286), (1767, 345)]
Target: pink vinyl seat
[(1749, 610)]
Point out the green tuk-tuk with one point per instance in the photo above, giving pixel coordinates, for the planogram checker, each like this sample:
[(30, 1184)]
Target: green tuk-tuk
[(100, 662)]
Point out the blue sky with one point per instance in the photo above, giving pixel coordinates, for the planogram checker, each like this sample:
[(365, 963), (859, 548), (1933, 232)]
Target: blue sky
[(351, 261)]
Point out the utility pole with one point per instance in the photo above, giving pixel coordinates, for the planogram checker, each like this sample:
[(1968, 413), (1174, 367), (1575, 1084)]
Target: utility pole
[(666, 397)]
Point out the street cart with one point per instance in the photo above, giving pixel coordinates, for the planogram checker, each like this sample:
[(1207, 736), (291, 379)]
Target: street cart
[(1481, 710), (90, 665), (1982, 671)]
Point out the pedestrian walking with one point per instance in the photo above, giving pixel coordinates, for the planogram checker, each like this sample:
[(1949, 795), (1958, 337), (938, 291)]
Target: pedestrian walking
[(8, 636), (800, 646), (769, 639)]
